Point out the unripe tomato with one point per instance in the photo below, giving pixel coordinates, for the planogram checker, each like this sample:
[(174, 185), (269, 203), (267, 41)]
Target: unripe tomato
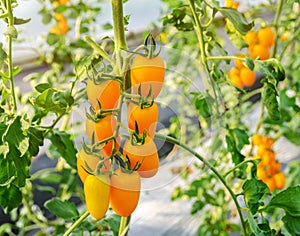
[(92, 161), (251, 38), (104, 129), (270, 183), (147, 72), (146, 118), (247, 76), (145, 154), (124, 192), (266, 37), (260, 51), (237, 81), (96, 191), (107, 92), (279, 179)]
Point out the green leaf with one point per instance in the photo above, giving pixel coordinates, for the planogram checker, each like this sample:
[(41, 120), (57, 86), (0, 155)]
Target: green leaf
[(292, 224), (237, 19), (259, 229), (269, 97), (288, 200), (36, 139), (241, 138), (63, 209), (271, 68), (64, 145), (52, 39), (254, 190), (3, 54), (178, 19), (197, 206), (202, 102), (42, 87), (19, 21), (11, 31), (10, 197), (111, 222)]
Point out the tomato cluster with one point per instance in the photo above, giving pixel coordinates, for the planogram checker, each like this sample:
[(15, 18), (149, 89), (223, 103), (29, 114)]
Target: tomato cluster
[(61, 25), (241, 75), (112, 176), (260, 42), (268, 169)]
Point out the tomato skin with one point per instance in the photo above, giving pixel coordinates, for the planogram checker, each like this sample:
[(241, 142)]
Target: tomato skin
[(279, 179), (104, 129), (247, 76), (89, 128), (124, 192), (96, 191), (107, 92), (92, 161), (266, 37), (145, 154), (147, 72), (146, 118)]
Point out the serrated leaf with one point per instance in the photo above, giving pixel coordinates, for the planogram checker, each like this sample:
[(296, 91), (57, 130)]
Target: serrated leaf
[(288, 200), (10, 197), (254, 190), (36, 139), (63, 209), (64, 145), (237, 19)]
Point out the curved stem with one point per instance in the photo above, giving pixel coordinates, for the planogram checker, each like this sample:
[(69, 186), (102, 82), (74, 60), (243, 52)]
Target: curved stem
[(238, 166), (77, 223), (276, 25), (213, 169), (10, 20)]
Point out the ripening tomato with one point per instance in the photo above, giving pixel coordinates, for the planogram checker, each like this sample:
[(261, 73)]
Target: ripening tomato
[(266, 37), (104, 129), (84, 160), (89, 127), (96, 191), (247, 76), (146, 118), (279, 180), (107, 93), (251, 38), (147, 72), (270, 183), (260, 51), (236, 80), (124, 192), (145, 154)]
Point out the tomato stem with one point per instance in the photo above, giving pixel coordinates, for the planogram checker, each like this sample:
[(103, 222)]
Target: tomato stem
[(123, 226), (77, 223), (276, 22), (213, 169)]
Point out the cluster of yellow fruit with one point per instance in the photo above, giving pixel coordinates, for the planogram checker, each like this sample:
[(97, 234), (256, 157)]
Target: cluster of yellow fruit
[(260, 42), (62, 23), (268, 170)]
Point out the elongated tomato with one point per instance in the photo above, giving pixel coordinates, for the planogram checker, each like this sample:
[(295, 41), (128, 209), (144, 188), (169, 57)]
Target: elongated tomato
[(96, 191), (107, 92), (146, 118), (124, 192), (147, 72), (145, 154)]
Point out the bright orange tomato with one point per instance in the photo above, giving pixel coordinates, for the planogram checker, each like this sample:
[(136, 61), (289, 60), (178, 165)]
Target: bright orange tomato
[(251, 38), (279, 179), (145, 154), (146, 118), (260, 51), (247, 76), (270, 183), (237, 81), (96, 191), (266, 37), (147, 72), (124, 192), (107, 92), (104, 129), (84, 159)]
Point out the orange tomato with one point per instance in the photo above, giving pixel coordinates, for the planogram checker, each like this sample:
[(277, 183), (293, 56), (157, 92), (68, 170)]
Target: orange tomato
[(261, 174), (256, 139), (234, 71), (145, 154), (238, 63), (124, 192), (107, 93), (104, 129), (146, 118), (149, 73), (237, 81), (251, 38), (84, 160), (266, 37), (279, 180), (270, 183), (89, 127), (247, 76), (96, 191), (260, 51)]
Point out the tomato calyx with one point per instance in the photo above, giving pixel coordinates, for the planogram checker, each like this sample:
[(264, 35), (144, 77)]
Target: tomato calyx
[(124, 164), (97, 115), (150, 52), (136, 138)]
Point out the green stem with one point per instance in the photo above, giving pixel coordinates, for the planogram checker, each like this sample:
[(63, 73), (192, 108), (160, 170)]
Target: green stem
[(10, 20), (199, 33), (213, 169), (276, 25), (123, 225), (238, 166), (250, 94), (77, 223), (221, 58), (288, 43), (98, 49)]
